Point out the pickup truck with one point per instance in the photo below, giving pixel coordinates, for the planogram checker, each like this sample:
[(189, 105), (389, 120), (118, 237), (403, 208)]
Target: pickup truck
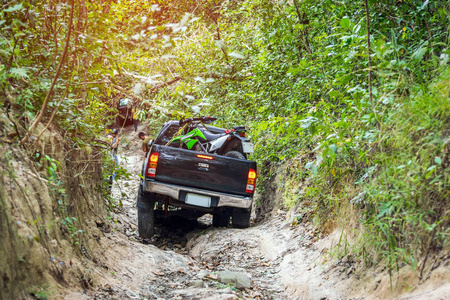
[(192, 183)]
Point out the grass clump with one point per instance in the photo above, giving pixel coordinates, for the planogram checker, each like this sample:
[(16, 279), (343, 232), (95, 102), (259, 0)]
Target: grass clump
[(405, 212), (394, 194)]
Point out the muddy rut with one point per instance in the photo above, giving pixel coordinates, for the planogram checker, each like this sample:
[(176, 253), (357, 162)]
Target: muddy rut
[(192, 260)]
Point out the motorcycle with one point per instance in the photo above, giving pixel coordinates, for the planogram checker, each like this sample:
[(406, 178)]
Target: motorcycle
[(232, 143)]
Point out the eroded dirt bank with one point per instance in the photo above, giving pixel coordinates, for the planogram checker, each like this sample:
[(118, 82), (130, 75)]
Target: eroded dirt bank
[(49, 204), (270, 260)]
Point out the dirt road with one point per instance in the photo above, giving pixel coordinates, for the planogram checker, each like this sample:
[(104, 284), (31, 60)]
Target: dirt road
[(193, 260)]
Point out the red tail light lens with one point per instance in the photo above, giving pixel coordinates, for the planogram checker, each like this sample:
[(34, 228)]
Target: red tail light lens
[(251, 181), (243, 134), (152, 164), (154, 157)]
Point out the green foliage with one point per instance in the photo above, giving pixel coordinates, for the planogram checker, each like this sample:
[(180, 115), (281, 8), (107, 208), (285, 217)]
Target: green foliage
[(406, 204), (42, 292), (296, 73), (300, 82)]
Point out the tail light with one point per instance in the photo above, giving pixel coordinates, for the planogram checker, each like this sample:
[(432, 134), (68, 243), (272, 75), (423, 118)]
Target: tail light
[(242, 134), (204, 156), (151, 165), (251, 181)]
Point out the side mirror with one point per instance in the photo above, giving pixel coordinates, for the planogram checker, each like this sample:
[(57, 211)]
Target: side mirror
[(150, 143)]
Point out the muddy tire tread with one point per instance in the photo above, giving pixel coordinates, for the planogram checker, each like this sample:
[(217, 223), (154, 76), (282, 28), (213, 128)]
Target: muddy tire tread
[(146, 222), (221, 219), (240, 218)]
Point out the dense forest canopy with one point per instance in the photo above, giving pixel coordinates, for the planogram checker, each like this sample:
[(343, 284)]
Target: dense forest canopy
[(351, 97)]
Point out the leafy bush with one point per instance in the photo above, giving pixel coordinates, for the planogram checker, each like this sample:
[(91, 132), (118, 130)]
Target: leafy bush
[(295, 72)]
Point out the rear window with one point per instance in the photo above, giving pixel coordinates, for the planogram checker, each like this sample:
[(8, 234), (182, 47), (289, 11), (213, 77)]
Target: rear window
[(168, 135)]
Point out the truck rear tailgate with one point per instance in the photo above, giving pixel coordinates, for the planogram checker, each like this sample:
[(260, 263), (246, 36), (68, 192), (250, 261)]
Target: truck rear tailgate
[(186, 168)]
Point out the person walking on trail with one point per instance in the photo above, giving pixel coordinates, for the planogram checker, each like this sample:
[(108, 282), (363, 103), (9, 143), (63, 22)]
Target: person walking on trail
[(145, 140), (135, 118), (114, 146)]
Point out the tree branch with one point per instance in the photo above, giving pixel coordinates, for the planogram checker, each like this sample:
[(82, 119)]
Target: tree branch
[(137, 99), (160, 86), (49, 93), (226, 76)]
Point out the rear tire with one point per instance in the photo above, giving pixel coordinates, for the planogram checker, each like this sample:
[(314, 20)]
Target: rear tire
[(146, 215), (146, 222), (221, 219), (240, 218), (235, 154)]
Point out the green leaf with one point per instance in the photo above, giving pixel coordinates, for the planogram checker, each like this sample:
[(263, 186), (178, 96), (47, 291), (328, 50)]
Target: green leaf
[(442, 12), (334, 148), (19, 72), (309, 165), (424, 4), (345, 22), (236, 55), (430, 171), (294, 71), (14, 8), (418, 55), (333, 94), (331, 153), (221, 45), (438, 160), (366, 118), (314, 170), (343, 80), (385, 209)]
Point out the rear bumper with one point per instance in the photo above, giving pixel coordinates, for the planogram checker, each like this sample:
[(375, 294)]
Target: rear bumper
[(173, 191)]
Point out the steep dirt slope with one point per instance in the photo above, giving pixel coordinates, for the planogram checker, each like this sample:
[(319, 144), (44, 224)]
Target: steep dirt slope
[(48, 212)]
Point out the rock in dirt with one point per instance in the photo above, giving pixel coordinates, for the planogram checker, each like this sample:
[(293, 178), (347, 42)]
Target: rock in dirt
[(239, 279), (203, 294), (196, 283)]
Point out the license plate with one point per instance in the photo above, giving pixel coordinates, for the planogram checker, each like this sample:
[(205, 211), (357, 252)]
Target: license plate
[(247, 147), (198, 200)]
